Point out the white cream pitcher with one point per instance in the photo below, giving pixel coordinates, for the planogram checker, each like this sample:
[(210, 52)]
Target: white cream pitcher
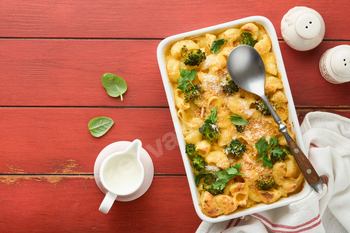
[(121, 174)]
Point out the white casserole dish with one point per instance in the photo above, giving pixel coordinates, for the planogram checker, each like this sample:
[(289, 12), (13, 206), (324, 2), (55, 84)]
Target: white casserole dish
[(163, 46)]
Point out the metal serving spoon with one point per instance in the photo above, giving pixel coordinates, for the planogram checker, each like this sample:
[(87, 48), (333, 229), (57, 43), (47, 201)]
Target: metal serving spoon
[(247, 70)]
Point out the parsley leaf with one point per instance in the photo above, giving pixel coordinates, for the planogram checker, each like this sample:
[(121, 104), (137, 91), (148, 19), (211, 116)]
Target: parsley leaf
[(263, 150), (277, 151), (213, 117), (277, 154), (269, 154), (273, 142), (262, 145), (216, 45), (267, 162), (225, 176), (216, 183), (187, 78), (234, 170)]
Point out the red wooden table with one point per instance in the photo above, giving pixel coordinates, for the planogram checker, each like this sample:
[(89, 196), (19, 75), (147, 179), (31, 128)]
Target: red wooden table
[(52, 57)]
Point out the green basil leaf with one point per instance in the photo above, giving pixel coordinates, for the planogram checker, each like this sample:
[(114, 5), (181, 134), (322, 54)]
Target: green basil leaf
[(100, 125), (216, 45), (115, 85), (238, 120)]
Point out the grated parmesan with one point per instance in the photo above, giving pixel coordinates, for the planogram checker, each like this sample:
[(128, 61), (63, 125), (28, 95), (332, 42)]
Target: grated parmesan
[(256, 129), (211, 83), (212, 168)]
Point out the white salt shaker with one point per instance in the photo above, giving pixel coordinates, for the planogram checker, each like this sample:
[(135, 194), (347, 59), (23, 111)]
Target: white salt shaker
[(302, 28), (335, 64)]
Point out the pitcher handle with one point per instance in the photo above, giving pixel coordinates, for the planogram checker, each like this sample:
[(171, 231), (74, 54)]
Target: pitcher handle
[(107, 202)]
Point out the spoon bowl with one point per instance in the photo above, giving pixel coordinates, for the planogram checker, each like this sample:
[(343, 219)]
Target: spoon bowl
[(247, 70)]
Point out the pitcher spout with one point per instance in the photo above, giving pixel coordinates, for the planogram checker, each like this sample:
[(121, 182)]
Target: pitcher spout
[(134, 149)]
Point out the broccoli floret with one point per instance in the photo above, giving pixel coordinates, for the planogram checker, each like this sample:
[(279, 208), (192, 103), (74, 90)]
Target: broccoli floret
[(193, 94), (247, 39), (210, 131), (192, 58), (236, 147), (261, 106), (266, 183), (211, 190), (198, 162), (230, 87), (278, 157), (190, 149), (287, 151), (282, 155), (209, 180), (240, 128)]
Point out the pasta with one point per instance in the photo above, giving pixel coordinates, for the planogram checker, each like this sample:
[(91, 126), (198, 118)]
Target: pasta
[(260, 179)]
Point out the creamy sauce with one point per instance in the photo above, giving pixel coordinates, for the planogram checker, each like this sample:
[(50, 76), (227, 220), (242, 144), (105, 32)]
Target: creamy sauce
[(122, 174)]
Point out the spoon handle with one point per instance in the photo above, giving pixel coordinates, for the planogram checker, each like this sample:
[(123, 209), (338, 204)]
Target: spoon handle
[(304, 164)]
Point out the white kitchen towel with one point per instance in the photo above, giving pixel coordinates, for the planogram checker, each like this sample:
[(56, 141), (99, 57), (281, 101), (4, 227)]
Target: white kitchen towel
[(327, 139)]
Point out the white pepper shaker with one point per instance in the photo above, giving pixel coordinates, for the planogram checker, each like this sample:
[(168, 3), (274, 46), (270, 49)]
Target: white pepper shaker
[(302, 28), (335, 64)]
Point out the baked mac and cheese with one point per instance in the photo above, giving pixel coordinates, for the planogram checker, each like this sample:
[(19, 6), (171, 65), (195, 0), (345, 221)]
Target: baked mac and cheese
[(239, 157)]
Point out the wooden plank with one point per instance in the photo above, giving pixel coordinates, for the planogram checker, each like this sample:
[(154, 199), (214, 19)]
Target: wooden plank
[(68, 73), (309, 88), (58, 141), (149, 19), (341, 112), (70, 204)]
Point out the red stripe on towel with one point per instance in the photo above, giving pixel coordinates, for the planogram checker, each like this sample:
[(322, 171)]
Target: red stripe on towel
[(293, 231), (324, 179), (237, 222), (273, 225), (228, 225)]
